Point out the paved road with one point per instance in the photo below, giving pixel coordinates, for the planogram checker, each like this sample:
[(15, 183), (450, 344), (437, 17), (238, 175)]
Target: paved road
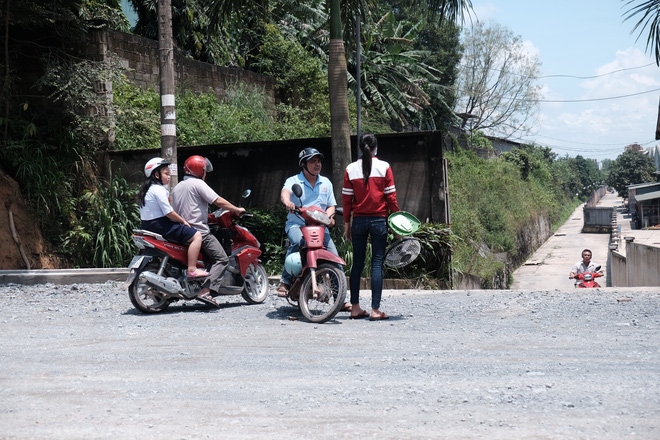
[(79, 363), (550, 265)]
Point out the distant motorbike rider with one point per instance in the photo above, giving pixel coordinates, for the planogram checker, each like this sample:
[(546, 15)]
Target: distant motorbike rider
[(584, 266), (191, 198)]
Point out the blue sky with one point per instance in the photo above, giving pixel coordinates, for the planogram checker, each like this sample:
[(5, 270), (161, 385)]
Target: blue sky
[(585, 38)]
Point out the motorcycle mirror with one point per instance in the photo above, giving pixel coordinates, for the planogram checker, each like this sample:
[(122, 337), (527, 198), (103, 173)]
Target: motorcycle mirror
[(597, 268), (246, 193), (297, 190)]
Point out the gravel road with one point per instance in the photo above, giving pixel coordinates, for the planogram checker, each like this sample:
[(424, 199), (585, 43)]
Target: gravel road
[(78, 362)]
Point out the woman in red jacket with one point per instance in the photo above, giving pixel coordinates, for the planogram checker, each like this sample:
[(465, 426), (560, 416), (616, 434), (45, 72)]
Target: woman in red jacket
[(369, 194)]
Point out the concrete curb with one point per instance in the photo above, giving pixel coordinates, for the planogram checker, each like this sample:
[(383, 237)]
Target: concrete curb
[(62, 276)]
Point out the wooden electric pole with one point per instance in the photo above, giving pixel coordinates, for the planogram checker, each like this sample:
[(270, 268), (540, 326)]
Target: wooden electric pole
[(167, 108)]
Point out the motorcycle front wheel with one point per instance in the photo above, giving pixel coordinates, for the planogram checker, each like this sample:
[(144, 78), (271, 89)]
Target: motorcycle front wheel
[(331, 283), (145, 298), (256, 284)]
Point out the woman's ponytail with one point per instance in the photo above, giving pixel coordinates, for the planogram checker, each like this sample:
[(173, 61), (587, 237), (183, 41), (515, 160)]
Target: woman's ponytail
[(368, 145)]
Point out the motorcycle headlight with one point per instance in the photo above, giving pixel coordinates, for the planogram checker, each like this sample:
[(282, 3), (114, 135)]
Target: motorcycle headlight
[(320, 217)]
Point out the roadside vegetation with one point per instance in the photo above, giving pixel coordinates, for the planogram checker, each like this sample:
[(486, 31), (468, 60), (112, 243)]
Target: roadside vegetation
[(410, 63), (492, 200)]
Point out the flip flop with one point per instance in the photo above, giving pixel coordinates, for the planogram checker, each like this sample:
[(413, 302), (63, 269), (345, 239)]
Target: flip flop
[(361, 315), (346, 308), (198, 273), (208, 299), (282, 291), (379, 317)]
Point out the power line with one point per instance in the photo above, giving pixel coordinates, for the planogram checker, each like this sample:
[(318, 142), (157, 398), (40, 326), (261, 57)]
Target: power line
[(618, 148), (591, 99), (595, 76), (565, 75), (586, 143)]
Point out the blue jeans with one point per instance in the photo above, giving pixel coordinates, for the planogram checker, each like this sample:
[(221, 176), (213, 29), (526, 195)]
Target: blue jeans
[(295, 237), (361, 229)]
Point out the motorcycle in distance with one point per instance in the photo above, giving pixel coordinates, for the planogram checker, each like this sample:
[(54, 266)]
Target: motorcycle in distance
[(319, 285), (158, 277), (588, 279)]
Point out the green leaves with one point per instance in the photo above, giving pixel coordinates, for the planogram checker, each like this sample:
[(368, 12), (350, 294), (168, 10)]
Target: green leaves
[(630, 168), (100, 234)]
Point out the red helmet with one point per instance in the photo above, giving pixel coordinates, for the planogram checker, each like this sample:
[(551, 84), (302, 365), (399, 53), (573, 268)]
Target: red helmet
[(196, 165)]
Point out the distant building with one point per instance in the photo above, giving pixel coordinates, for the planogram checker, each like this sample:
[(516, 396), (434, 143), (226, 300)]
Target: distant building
[(634, 147), (644, 204), (654, 153)]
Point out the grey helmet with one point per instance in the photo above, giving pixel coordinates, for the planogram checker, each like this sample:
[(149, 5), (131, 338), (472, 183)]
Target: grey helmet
[(307, 154)]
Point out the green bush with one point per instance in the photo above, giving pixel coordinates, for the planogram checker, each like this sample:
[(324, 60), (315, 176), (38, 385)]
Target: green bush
[(100, 233), (493, 200), (268, 227)]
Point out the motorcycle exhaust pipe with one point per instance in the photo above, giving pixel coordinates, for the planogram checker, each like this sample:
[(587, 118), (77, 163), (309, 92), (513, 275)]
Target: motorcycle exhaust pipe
[(169, 286)]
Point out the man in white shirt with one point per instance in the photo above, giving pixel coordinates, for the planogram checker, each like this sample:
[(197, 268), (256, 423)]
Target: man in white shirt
[(586, 265)]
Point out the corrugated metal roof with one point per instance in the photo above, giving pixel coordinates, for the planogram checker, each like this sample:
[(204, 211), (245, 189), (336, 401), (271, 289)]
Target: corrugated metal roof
[(648, 196), (642, 185)]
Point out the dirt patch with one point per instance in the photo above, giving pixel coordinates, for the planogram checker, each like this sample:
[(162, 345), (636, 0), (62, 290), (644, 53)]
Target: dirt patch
[(27, 232)]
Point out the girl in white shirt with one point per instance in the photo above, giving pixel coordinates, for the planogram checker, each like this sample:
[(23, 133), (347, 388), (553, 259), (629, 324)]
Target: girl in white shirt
[(158, 216)]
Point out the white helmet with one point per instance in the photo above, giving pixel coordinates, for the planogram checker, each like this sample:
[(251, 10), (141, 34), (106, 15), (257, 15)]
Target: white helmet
[(293, 264), (153, 164)]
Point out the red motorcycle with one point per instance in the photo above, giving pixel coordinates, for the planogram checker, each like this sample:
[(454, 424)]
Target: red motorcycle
[(319, 285), (158, 277), (588, 279)]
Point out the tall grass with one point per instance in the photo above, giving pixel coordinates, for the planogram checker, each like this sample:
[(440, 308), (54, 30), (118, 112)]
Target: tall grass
[(100, 233)]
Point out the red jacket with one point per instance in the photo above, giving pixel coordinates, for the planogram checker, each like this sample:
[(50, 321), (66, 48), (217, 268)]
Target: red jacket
[(376, 199)]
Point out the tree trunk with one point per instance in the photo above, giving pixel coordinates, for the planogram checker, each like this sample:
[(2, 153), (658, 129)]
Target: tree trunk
[(167, 109), (338, 88)]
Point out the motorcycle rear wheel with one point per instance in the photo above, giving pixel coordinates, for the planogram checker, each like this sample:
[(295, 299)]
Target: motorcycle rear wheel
[(145, 298), (256, 284), (331, 282)]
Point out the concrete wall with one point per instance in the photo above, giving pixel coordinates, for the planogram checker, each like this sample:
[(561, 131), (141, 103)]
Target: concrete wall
[(595, 197), (416, 160), (616, 275), (597, 219), (642, 265), (140, 55), (639, 268)]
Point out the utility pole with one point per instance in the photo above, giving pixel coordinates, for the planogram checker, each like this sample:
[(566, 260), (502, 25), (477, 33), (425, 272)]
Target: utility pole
[(167, 108)]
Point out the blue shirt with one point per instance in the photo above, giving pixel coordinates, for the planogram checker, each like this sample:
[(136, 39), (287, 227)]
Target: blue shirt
[(321, 195)]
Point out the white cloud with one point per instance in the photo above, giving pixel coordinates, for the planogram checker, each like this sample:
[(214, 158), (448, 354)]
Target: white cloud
[(531, 50), (485, 12)]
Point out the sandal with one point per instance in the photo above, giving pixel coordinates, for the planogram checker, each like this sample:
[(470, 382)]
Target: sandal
[(379, 317), (347, 307), (198, 273), (363, 314), (208, 299), (283, 291)]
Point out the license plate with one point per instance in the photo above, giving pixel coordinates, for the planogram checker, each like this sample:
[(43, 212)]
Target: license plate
[(136, 262)]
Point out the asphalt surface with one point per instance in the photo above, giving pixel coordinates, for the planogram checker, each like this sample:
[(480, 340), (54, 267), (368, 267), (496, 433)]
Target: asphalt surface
[(78, 362)]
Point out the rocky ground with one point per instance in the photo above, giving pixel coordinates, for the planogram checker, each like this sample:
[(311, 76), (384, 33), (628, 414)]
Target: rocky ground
[(78, 362)]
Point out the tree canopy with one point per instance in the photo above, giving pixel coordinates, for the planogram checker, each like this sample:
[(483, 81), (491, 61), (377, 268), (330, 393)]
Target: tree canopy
[(497, 83), (630, 168)]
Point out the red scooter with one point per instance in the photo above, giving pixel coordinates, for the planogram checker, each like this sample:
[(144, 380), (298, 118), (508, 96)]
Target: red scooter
[(319, 287), (588, 279), (158, 274)]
